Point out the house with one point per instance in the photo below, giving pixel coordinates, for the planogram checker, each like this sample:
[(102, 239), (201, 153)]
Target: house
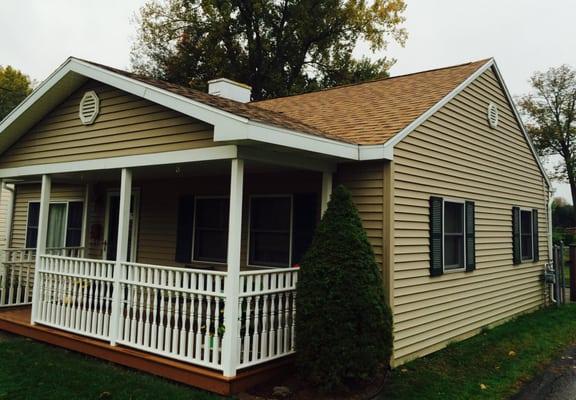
[(161, 227)]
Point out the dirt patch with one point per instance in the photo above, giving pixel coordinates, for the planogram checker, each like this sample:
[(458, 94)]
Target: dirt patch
[(290, 387)]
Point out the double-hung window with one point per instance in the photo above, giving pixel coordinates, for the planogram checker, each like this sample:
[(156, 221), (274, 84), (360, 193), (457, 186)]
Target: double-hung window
[(270, 231), (211, 229), (526, 238), (454, 236), (64, 224)]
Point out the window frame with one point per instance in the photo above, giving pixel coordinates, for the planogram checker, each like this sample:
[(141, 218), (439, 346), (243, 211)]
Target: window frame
[(464, 231), (531, 258), (290, 231), (63, 201), (207, 197)]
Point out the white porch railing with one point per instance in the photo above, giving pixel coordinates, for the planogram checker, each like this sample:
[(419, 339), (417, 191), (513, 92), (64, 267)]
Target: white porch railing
[(172, 312), (75, 294), (17, 273), (267, 311)]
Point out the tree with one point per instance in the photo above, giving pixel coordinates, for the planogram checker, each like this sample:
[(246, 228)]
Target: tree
[(279, 47), (551, 116), (343, 325), (14, 87)]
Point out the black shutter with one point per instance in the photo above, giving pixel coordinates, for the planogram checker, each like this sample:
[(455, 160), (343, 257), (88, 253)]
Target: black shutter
[(185, 228), (436, 256), (304, 219), (470, 237), (74, 224), (32, 227), (535, 235), (516, 247)]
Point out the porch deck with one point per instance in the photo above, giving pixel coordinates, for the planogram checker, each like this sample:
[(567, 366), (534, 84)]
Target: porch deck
[(17, 320)]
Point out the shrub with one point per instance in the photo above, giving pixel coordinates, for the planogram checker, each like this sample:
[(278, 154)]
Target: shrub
[(343, 324)]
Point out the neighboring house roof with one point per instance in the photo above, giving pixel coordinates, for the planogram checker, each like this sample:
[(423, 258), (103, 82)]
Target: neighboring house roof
[(373, 112)]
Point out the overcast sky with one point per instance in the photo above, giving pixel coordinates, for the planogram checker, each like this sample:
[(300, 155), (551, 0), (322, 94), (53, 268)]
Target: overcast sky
[(524, 36)]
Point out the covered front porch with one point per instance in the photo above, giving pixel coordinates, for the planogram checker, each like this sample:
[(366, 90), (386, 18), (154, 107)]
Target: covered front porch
[(185, 261)]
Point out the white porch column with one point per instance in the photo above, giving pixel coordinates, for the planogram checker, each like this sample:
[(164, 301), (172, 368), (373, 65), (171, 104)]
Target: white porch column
[(121, 251), (41, 241), (326, 190), (231, 311)]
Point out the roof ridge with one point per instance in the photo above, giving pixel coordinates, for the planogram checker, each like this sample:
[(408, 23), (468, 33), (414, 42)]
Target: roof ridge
[(482, 61)]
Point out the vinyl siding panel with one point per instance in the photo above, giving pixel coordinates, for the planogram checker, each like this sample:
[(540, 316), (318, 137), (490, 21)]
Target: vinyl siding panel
[(365, 180), (456, 155), (126, 125)]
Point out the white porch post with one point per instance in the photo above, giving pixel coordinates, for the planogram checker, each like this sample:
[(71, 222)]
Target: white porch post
[(326, 190), (232, 286), (41, 241), (121, 251)]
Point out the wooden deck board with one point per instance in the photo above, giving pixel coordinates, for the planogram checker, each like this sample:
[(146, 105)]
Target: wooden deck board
[(17, 320)]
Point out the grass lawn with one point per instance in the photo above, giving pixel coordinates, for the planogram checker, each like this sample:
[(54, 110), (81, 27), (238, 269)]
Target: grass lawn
[(32, 370), (491, 365)]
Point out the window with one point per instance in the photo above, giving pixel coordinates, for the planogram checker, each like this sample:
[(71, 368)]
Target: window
[(211, 229), (270, 231), (64, 224), (526, 230), (454, 234)]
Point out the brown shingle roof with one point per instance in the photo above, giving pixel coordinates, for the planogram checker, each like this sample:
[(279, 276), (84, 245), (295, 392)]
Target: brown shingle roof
[(246, 110), (372, 112), (363, 113)]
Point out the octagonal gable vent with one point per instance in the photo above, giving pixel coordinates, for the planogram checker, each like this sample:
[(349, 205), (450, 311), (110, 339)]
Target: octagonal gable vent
[(89, 107), (493, 115)]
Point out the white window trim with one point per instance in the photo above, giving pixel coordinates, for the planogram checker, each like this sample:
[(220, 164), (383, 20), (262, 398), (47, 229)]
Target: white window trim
[(59, 201), (463, 202), (254, 196), (531, 259), (192, 259)]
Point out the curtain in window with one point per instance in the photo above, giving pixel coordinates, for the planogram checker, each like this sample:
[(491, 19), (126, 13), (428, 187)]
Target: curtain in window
[(56, 227)]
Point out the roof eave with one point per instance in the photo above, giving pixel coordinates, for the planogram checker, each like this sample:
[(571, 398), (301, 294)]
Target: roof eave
[(227, 126)]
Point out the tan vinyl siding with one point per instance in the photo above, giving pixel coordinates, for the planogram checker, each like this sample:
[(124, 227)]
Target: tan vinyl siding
[(126, 125), (25, 193), (365, 181), (456, 155)]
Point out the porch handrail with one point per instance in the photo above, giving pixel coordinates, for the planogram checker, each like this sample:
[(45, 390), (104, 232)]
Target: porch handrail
[(169, 311)]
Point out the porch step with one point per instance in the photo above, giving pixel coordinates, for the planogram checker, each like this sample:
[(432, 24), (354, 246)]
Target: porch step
[(17, 321)]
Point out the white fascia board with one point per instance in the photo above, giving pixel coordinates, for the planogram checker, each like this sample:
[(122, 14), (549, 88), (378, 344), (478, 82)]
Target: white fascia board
[(521, 124), (292, 160), (420, 120), (184, 105), (376, 152), (225, 152), (283, 137)]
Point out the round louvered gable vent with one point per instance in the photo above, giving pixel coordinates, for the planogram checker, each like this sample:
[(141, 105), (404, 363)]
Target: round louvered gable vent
[(493, 115), (89, 107)]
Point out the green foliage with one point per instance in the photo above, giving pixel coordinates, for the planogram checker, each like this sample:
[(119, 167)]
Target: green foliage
[(550, 113), (343, 325), (14, 87), (32, 370), (483, 367), (279, 47)]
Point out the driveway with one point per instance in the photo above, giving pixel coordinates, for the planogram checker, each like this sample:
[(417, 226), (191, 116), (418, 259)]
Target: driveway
[(556, 382)]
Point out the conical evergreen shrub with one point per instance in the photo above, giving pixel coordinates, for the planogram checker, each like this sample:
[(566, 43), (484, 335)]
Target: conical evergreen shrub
[(343, 324)]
